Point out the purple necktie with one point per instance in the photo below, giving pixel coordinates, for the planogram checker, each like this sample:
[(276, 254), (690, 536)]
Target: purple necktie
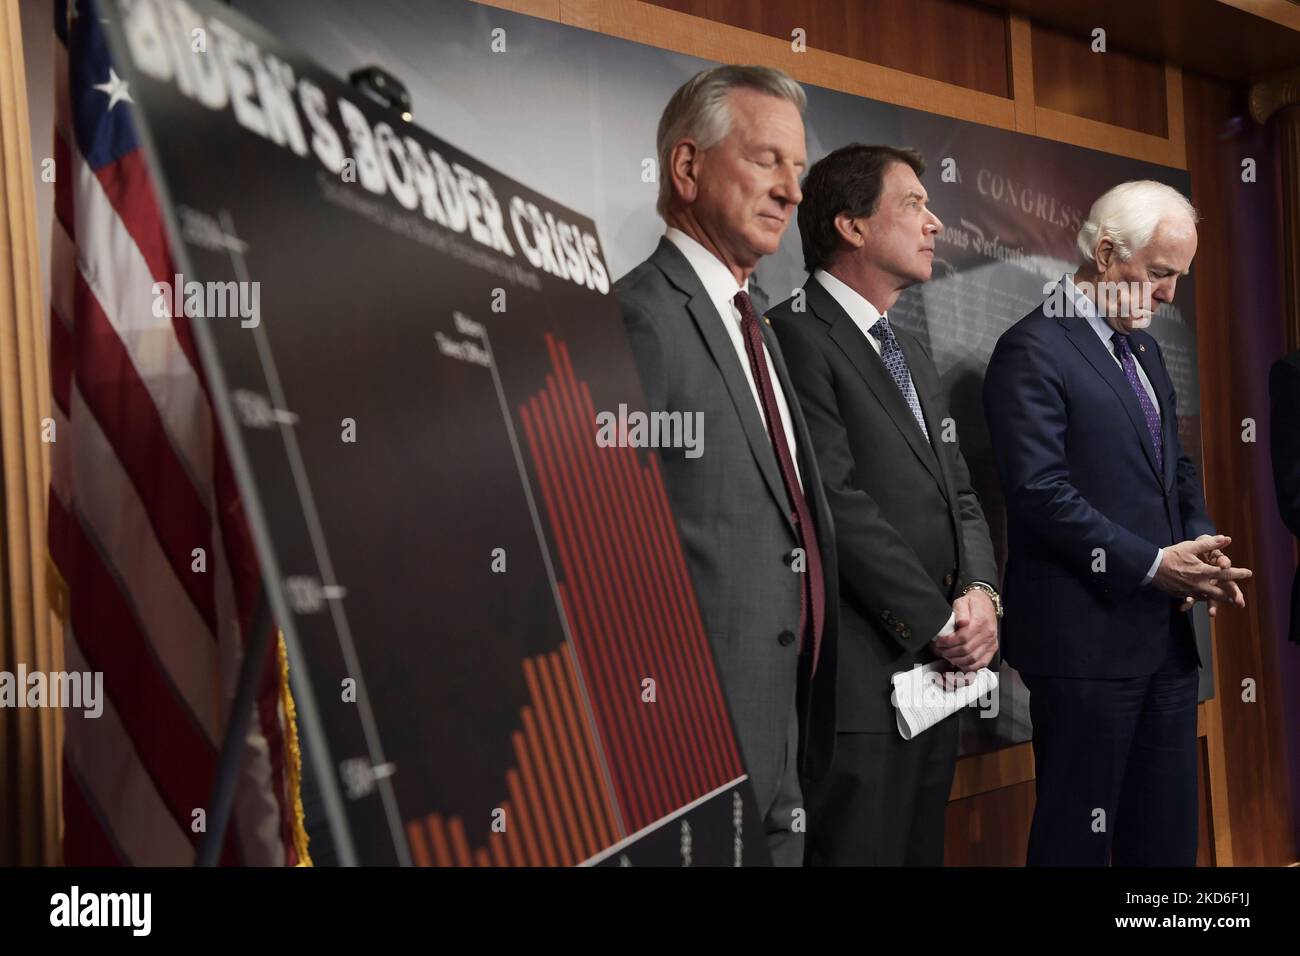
[(812, 594), (1125, 356)]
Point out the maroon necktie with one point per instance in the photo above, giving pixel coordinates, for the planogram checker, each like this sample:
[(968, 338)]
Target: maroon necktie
[(812, 594)]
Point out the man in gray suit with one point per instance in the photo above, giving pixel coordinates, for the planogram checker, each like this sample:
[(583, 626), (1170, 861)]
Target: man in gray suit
[(752, 516)]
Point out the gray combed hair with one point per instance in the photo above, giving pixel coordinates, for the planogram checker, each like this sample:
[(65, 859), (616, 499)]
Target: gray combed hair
[(698, 111), (1128, 215)]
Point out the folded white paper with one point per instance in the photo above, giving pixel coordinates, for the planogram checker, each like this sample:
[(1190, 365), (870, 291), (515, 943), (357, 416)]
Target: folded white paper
[(923, 697)]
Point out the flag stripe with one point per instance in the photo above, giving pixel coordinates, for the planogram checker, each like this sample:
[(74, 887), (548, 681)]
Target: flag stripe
[(81, 823), (129, 191), (172, 749), (65, 208), (123, 287), (118, 520), (119, 400), (62, 356), (95, 749)]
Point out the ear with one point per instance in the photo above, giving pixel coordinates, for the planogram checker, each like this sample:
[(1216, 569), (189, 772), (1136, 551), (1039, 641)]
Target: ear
[(1105, 253), (683, 168), (849, 230)]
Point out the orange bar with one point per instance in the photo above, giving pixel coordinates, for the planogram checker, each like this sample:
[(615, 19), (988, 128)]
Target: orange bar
[(578, 784), (541, 825), (566, 795), (512, 841), (459, 843), (419, 849), (441, 852), (542, 771), (497, 843), (481, 858), (566, 679), (516, 789)]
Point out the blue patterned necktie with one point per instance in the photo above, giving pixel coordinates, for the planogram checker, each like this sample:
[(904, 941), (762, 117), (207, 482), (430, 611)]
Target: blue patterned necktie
[(891, 353), (1125, 356)]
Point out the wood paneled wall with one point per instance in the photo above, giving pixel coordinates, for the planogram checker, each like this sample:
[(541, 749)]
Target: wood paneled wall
[(908, 35), (962, 59), (1111, 87)]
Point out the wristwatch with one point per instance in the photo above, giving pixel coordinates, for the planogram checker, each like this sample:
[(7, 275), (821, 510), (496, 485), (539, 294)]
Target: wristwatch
[(987, 589)]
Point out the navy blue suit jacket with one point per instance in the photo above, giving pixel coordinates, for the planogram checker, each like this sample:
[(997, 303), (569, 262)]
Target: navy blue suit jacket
[(1087, 506)]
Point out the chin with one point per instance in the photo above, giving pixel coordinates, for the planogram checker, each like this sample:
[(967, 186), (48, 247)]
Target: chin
[(1140, 322)]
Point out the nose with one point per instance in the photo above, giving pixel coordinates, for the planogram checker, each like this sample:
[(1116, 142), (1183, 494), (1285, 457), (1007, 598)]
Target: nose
[(935, 225), (1165, 290), (787, 187)]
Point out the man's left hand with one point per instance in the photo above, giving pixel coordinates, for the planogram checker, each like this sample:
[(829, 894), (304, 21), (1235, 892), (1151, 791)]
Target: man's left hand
[(1219, 560), (975, 640)]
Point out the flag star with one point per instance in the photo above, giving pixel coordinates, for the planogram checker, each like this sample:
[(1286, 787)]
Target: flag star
[(115, 88)]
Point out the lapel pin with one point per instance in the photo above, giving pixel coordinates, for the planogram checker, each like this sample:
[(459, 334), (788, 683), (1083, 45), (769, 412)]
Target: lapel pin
[(1141, 347), (767, 320)]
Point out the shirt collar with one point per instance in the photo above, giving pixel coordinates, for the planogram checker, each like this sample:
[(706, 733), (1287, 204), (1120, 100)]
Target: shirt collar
[(717, 279), (853, 302), (1085, 307)]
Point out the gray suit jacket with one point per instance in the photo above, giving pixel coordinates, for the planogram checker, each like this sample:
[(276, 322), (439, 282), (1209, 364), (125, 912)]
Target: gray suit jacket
[(909, 525), (732, 515)]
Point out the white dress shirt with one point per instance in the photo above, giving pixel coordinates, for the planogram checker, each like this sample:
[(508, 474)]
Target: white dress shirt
[(1085, 307), (722, 287), (863, 313)]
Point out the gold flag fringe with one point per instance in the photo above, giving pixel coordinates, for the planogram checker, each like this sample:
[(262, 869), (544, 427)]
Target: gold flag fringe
[(293, 761)]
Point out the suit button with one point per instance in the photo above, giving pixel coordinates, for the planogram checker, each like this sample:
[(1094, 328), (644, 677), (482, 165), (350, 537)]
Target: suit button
[(786, 638), (947, 580)]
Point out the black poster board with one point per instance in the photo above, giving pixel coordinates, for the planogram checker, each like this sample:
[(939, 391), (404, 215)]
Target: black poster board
[(495, 649)]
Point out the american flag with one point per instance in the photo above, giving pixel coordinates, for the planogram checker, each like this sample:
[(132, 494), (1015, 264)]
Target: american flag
[(146, 531)]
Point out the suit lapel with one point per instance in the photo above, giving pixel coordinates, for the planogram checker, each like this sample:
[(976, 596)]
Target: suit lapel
[(845, 333), (705, 315), (1092, 348), (926, 386)]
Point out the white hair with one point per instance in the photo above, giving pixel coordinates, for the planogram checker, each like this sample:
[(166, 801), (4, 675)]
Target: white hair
[(1128, 215), (698, 111)]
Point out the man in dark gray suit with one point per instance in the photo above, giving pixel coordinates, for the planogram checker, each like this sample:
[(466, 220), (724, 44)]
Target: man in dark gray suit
[(914, 550), (750, 510)]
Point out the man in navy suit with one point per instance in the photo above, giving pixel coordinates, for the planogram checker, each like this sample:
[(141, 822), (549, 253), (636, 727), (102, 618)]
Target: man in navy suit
[(1108, 544)]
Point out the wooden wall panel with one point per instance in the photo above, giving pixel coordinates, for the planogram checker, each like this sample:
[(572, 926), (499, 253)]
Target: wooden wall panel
[(990, 829), (1112, 87), (948, 40), (1205, 855)]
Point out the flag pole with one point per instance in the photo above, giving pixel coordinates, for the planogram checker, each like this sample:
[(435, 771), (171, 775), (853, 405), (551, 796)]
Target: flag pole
[(222, 796)]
